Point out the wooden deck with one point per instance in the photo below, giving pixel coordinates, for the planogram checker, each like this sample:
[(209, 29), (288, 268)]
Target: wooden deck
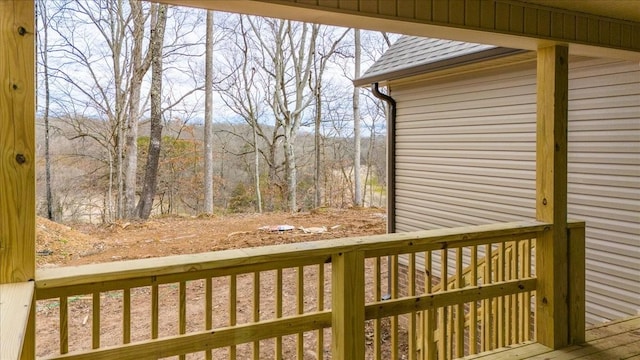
[(611, 341)]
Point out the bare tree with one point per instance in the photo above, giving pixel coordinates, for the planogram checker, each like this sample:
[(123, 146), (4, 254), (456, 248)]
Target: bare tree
[(44, 58), (323, 54), (242, 90), (140, 66), (290, 65), (357, 200), (208, 118), (145, 203)]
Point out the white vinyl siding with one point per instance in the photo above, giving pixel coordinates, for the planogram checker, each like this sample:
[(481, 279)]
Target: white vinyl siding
[(465, 155)]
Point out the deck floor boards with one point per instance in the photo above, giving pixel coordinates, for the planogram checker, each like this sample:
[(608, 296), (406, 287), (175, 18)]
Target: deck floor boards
[(615, 340)]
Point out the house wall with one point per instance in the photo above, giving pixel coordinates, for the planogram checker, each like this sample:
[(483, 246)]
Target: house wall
[(466, 156)]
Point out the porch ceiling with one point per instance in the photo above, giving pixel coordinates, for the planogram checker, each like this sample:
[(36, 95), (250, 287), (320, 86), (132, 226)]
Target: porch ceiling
[(599, 28), (617, 9)]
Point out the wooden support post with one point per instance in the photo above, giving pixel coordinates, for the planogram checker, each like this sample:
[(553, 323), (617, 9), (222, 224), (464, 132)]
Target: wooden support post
[(17, 134), (347, 306), (17, 151), (551, 196), (577, 263)]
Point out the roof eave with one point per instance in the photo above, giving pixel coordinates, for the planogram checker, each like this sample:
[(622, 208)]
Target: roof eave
[(438, 65)]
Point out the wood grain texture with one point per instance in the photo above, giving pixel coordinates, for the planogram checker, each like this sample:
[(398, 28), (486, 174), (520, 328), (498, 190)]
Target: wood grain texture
[(15, 310), (577, 284), (199, 341), (17, 146), (347, 306), (551, 196)]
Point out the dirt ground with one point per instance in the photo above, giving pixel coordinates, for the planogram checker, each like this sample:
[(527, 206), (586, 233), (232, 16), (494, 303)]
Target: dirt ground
[(70, 245)]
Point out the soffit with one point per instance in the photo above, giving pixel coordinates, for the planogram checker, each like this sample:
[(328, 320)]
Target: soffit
[(617, 9)]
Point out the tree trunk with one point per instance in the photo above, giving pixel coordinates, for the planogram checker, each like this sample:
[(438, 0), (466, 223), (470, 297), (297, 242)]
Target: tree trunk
[(256, 154), (208, 119), (317, 200), (44, 41), (292, 173), (131, 145), (357, 201), (151, 172)]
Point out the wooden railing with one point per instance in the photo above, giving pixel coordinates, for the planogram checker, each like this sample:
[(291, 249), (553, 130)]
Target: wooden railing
[(291, 301), (15, 309)]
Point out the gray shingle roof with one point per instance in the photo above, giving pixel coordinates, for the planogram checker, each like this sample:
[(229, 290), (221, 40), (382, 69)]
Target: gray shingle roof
[(412, 55)]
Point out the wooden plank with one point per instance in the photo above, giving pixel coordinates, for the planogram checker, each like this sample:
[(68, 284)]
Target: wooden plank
[(126, 316), (349, 5), (500, 301), (17, 168), (395, 341), (502, 14), (473, 311), (551, 196), (95, 321), (155, 310), (255, 350), (319, 308), (300, 309), (182, 316), (233, 303), (516, 18), (443, 312), (613, 328), (370, 7), (615, 347), (377, 328), (423, 9), (408, 304), (577, 284), (411, 291), (278, 347), (557, 25), (406, 8), (430, 315), (497, 352), (472, 13), (29, 343), (457, 12), (17, 141), (208, 310), (203, 340), (487, 14), (388, 9), (15, 309), (440, 11), (615, 34), (544, 22), (486, 304), (514, 352), (459, 309), (530, 25), (616, 340), (64, 325), (347, 315), (569, 26)]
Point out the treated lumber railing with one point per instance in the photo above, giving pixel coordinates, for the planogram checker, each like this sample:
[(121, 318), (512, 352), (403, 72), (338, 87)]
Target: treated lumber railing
[(316, 297), (15, 307)]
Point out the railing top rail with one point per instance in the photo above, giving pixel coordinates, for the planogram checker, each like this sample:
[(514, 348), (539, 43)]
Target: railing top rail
[(280, 256)]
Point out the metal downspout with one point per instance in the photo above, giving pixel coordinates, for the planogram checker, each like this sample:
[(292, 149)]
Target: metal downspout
[(391, 173), (391, 157)]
